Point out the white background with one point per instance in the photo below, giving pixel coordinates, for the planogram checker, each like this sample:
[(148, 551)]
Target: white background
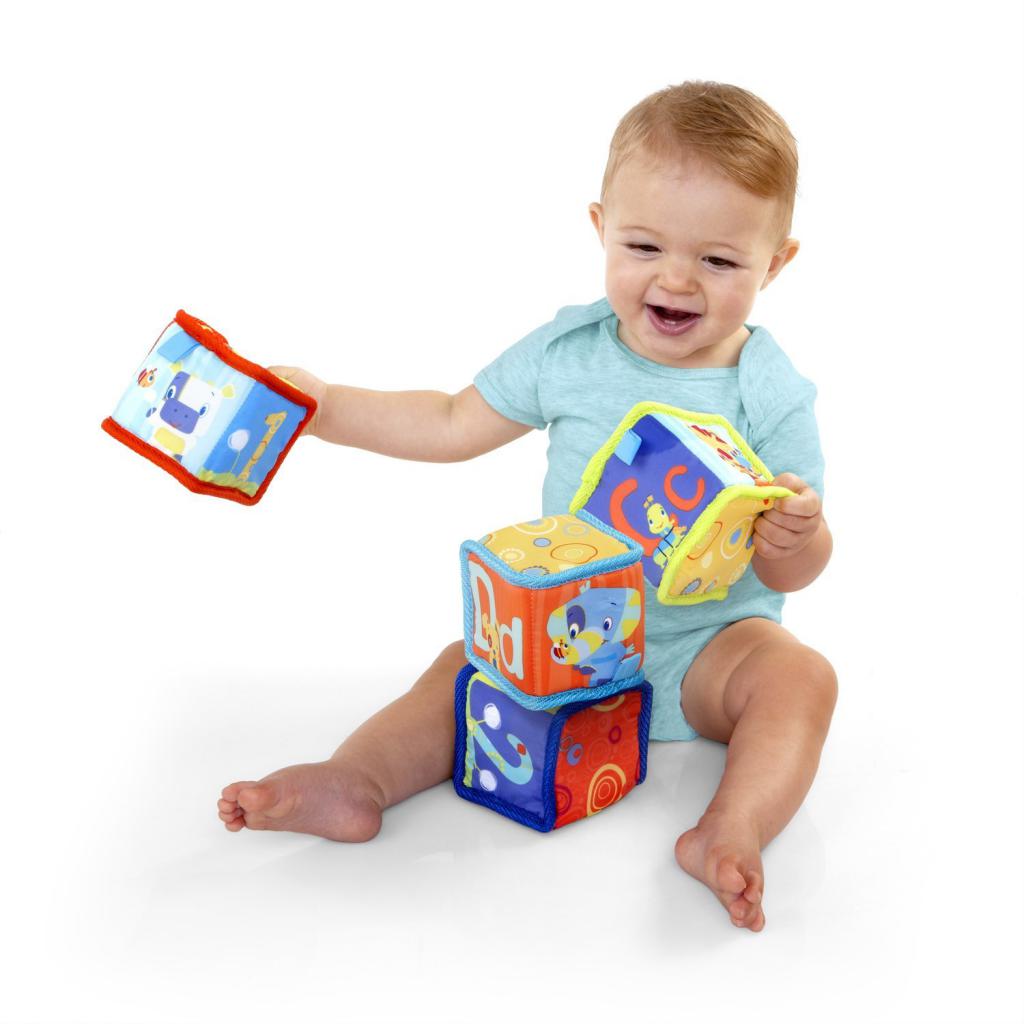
[(391, 196)]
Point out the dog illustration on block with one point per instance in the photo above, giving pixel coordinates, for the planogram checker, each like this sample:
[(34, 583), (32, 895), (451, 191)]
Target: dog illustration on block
[(588, 633), (184, 414)]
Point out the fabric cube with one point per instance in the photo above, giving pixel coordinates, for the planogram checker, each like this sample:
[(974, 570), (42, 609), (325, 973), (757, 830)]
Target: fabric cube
[(554, 609), (547, 767), (218, 423), (685, 487)]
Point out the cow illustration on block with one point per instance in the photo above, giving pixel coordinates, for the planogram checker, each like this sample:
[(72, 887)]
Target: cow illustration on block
[(184, 414)]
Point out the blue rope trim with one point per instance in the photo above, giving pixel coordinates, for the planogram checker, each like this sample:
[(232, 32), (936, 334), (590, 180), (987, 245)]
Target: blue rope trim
[(545, 822), (643, 728), (552, 700), (461, 687)]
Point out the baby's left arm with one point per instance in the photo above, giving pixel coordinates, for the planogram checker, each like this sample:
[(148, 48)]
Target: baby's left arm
[(792, 541)]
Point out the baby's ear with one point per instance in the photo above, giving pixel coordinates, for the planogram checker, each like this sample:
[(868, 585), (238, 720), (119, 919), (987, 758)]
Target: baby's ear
[(597, 219), (789, 248)]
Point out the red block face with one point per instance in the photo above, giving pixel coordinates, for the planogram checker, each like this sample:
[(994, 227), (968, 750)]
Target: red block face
[(598, 758), (546, 641)]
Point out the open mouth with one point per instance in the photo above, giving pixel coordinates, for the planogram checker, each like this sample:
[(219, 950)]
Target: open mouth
[(671, 321)]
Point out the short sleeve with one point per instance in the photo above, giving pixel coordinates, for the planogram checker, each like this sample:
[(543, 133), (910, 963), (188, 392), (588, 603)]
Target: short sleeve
[(792, 445), (779, 403), (510, 384)]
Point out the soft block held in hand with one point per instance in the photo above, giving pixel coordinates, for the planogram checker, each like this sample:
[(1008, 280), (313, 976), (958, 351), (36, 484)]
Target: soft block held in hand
[(687, 489), (217, 422)]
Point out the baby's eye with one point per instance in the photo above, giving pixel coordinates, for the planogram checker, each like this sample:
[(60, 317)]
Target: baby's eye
[(718, 261), (641, 247)]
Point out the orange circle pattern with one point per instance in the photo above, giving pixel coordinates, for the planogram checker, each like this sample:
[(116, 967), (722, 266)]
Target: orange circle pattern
[(608, 768)]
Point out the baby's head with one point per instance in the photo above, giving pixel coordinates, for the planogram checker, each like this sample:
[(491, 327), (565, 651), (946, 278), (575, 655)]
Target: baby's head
[(695, 213)]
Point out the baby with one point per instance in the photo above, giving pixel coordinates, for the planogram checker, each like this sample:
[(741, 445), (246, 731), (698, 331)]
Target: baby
[(695, 213)]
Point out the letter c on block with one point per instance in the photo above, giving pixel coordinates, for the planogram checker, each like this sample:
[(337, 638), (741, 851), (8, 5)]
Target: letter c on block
[(686, 504), (619, 520)]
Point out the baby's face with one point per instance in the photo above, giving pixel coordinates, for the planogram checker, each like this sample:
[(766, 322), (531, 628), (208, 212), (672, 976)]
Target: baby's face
[(686, 251)]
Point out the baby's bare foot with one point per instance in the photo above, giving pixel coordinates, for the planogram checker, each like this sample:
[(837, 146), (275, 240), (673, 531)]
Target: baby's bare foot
[(322, 799), (724, 854)]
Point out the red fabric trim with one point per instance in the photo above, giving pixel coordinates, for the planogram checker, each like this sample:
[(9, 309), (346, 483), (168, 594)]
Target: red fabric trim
[(175, 468), (218, 344)]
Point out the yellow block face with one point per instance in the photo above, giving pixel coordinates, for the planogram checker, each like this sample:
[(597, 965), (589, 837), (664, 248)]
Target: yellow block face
[(552, 544), (721, 556)]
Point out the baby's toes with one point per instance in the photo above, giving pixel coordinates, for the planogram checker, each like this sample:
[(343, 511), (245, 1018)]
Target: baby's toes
[(742, 912), (728, 877), (231, 792), (231, 814), (745, 914), (227, 808), (262, 798), (754, 920), (755, 887)]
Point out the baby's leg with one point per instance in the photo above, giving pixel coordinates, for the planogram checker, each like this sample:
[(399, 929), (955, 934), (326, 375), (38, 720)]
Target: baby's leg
[(404, 748), (770, 698)]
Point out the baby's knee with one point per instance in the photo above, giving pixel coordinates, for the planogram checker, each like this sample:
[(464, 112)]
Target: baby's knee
[(446, 666), (799, 676), (453, 655), (814, 682)]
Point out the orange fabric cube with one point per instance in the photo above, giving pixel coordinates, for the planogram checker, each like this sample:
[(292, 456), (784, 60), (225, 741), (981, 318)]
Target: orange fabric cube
[(554, 609)]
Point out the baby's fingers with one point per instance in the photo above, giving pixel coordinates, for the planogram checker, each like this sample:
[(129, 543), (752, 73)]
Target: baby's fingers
[(765, 548), (803, 505), (308, 383), (302, 379), (778, 537), (798, 524), (805, 500)]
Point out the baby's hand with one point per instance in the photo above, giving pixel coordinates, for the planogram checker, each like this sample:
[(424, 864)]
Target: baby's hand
[(789, 526), (306, 382)]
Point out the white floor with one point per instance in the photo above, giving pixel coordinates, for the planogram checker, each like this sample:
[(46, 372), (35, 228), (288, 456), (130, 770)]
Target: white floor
[(891, 897)]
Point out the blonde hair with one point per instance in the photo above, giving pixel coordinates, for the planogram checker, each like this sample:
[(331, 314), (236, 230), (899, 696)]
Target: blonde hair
[(728, 128)]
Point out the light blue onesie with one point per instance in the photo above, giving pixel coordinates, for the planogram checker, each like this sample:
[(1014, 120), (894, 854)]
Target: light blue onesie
[(576, 376)]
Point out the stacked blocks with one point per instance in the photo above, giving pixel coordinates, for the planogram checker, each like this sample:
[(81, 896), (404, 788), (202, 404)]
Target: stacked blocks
[(552, 713), (685, 487)]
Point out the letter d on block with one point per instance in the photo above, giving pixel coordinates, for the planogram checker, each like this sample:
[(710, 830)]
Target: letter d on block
[(478, 578), (515, 666), (477, 575)]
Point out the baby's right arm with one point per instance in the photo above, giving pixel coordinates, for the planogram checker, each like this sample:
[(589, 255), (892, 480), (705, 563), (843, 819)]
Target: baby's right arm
[(428, 426)]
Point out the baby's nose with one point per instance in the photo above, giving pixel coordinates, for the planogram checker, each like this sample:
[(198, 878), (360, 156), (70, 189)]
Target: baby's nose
[(678, 276)]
